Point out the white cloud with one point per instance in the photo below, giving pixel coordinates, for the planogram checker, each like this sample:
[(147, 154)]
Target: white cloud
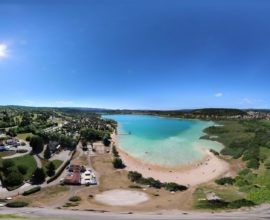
[(218, 94), (3, 50)]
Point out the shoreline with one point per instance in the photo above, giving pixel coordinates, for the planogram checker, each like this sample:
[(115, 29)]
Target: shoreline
[(202, 171)]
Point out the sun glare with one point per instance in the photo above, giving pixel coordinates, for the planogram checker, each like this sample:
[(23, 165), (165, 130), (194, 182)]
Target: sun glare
[(3, 50)]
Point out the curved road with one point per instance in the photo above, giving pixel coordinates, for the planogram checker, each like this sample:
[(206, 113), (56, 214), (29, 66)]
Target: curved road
[(262, 212)]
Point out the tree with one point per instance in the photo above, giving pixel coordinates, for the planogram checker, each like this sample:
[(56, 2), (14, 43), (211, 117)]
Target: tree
[(22, 169), (39, 176), (7, 164), (12, 132), (36, 143), (47, 153), (134, 176), (50, 169), (106, 142), (118, 163), (14, 178)]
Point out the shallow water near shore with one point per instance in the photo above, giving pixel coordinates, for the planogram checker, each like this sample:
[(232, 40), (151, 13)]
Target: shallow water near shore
[(163, 141)]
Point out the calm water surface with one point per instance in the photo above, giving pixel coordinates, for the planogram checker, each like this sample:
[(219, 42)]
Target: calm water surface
[(163, 141)]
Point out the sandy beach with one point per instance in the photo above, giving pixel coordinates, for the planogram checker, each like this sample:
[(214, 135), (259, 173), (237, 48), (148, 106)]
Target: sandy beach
[(209, 168)]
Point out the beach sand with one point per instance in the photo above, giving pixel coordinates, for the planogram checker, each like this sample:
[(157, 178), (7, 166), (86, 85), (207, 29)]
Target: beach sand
[(209, 168)]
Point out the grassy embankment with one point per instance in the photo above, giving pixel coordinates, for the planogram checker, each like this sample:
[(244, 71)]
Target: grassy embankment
[(247, 141)]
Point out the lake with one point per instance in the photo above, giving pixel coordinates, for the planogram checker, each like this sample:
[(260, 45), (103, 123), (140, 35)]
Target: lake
[(163, 141)]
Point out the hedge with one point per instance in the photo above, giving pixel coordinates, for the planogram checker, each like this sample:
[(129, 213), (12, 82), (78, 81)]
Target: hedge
[(59, 172), (31, 191), (75, 199), (16, 204)]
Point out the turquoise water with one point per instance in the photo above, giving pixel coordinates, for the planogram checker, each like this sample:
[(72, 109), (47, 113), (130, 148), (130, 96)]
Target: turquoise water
[(163, 141)]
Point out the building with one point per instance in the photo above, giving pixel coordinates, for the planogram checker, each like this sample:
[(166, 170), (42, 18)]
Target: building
[(74, 175)]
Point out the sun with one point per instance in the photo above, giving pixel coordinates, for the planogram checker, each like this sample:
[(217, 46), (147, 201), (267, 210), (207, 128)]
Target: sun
[(3, 50)]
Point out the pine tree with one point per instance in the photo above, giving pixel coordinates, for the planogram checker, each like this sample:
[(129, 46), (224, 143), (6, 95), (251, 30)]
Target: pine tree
[(47, 153), (39, 176), (50, 169)]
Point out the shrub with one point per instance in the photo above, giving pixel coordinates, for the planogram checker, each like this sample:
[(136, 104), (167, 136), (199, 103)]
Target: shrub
[(14, 179), (50, 169), (253, 163), (118, 163), (151, 182), (16, 204), (59, 172), (225, 180), (134, 187), (22, 169), (39, 176), (259, 195), (236, 204), (212, 204), (47, 153), (21, 151), (134, 176), (7, 164), (31, 191), (75, 199), (174, 187), (115, 152), (214, 152)]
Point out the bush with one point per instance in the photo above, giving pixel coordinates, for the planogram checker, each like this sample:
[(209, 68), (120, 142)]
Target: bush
[(7, 164), (21, 151), (51, 169), (16, 204), (151, 182), (115, 152), (134, 176), (75, 199), (225, 180), (118, 163), (39, 176), (174, 187), (253, 163), (47, 153), (14, 178), (31, 191), (59, 172), (240, 203), (212, 204), (214, 152), (22, 169)]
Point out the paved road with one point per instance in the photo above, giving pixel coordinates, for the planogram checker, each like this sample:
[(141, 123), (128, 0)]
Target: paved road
[(262, 212)]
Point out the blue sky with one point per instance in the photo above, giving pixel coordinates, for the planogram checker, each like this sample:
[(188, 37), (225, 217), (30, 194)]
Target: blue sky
[(140, 54)]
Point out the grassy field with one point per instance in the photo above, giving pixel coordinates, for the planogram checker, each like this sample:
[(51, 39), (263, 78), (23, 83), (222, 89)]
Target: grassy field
[(11, 216), (24, 135), (57, 163), (47, 196), (26, 160), (249, 141)]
